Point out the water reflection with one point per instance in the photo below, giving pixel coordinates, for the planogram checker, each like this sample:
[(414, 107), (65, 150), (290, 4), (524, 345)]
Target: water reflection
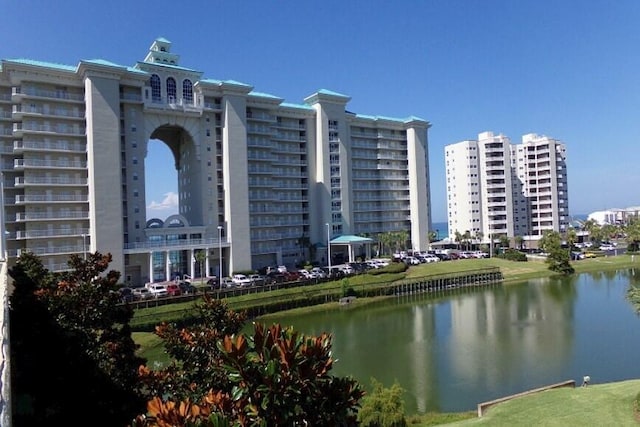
[(453, 351)]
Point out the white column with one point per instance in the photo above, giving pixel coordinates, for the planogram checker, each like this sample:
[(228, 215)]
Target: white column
[(206, 264), (151, 266), (167, 266), (192, 262)]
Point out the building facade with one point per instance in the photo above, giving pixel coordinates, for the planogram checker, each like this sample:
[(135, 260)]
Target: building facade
[(261, 181), (495, 188)]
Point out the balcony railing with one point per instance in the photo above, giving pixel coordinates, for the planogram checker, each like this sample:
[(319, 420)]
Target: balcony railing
[(39, 216), (42, 93)]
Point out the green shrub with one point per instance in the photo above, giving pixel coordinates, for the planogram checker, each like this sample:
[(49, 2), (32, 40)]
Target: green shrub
[(394, 267), (513, 255), (383, 407)]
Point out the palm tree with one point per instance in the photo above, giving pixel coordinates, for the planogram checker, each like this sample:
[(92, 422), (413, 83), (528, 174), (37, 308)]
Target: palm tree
[(518, 240), (467, 239), (593, 228), (458, 238), (200, 257)]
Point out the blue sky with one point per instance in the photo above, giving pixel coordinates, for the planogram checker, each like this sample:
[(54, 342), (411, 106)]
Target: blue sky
[(565, 69)]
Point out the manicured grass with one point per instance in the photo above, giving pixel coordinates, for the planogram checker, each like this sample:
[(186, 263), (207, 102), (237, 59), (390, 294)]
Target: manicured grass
[(608, 404)]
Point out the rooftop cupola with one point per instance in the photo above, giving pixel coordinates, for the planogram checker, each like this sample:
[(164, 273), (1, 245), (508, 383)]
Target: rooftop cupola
[(160, 53)]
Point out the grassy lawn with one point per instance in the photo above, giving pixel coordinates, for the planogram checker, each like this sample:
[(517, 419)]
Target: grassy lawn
[(596, 405)]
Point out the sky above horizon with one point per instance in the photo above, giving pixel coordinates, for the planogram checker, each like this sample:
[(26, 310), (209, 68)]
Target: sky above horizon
[(564, 69)]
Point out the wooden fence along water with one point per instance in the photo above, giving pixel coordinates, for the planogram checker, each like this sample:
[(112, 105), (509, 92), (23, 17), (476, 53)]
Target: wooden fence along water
[(308, 294)]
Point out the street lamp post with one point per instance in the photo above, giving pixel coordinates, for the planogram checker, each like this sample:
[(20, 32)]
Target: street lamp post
[(84, 246), (328, 247), (220, 255)]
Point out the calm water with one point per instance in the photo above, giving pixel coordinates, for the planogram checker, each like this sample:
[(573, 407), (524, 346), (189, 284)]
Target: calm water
[(454, 351)]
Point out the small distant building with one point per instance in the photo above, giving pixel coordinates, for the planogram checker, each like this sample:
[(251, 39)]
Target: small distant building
[(615, 216)]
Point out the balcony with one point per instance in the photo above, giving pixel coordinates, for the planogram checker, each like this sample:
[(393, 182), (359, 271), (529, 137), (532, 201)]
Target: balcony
[(174, 104), (19, 93), (46, 216), (19, 111), (43, 234), (59, 129), (58, 181), (62, 146), (48, 198), (53, 250), (48, 164)]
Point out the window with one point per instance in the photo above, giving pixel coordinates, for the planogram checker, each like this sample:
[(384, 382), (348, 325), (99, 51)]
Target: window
[(187, 91), (171, 90), (156, 92)]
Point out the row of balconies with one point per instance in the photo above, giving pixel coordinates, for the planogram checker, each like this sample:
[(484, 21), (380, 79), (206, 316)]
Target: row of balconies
[(54, 215), (39, 234), (396, 216), (66, 146), (42, 163), (260, 116), (20, 110), (49, 250), (50, 198), (19, 92), (42, 180), (278, 222), (58, 128)]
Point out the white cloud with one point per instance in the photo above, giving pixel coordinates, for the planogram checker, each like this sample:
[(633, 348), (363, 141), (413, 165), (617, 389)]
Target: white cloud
[(168, 206)]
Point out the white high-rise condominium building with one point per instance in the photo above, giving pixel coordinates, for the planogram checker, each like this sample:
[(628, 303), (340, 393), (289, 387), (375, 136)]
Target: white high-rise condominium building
[(495, 188), (260, 181)]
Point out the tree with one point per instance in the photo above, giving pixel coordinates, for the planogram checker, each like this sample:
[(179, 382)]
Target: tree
[(458, 239), (196, 366), (201, 257), (632, 231), (467, 239), (557, 258), (432, 236), (519, 241), (593, 228), (277, 376), (383, 407), (71, 349)]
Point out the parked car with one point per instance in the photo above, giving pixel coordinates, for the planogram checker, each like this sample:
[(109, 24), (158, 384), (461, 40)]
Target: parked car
[(187, 288), (575, 256), (411, 260), (213, 282), (141, 293), (158, 291), (227, 282), (241, 280), (607, 247), (256, 279), (173, 290)]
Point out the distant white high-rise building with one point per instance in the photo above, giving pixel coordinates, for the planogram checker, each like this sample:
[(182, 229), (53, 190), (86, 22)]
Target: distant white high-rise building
[(495, 188)]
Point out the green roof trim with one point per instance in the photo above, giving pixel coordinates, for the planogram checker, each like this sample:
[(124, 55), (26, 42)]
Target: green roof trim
[(263, 95), (53, 65), (163, 40), (349, 238), (235, 82), (301, 106), (390, 119), (332, 93), (103, 62)]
